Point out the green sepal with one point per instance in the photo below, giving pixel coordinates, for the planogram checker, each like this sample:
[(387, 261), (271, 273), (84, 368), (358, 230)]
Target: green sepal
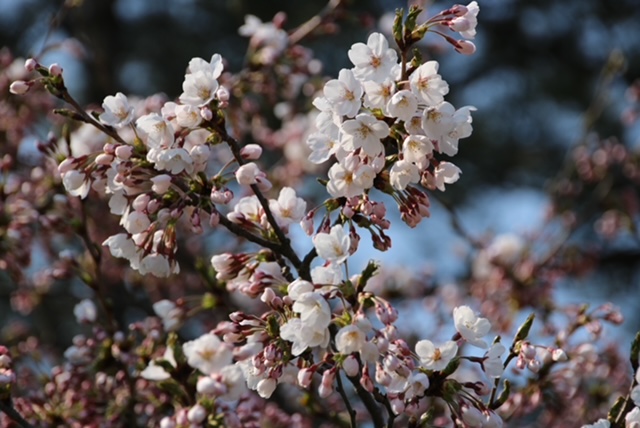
[(503, 397), (523, 331)]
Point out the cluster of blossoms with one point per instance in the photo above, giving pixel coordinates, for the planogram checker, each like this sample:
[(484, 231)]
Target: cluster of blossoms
[(165, 166), (384, 116)]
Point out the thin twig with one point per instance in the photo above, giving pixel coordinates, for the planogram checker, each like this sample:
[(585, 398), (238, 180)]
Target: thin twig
[(6, 407), (343, 394), (369, 402), (308, 27)]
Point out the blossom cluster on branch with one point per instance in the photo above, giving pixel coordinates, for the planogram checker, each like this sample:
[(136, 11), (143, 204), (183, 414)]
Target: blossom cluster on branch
[(273, 323)]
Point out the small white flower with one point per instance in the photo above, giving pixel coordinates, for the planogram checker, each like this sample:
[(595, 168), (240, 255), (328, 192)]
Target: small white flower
[(416, 149), (471, 327), (632, 419), (466, 24), (344, 93), (155, 131), (161, 183), (288, 208), (351, 177), (188, 116), (373, 61), (199, 88), (117, 111), (213, 67), (76, 183), (403, 105), (377, 95), (365, 131), (493, 366), (170, 314), (173, 160), (303, 335), (434, 357), (85, 311), (157, 265), (135, 222), (403, 173), (333, 246), (207, 353), (446, 172), (350, 339), (427, 84)]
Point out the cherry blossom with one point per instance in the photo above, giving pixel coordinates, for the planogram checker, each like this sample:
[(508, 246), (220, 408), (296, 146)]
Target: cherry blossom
[(427, 84), (207, 353), (471, 327), (434, 357), (373, 61), (117, 111), (344, 94), (333, 246)]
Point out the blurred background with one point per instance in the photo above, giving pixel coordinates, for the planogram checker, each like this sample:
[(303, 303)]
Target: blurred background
[(548, 76)]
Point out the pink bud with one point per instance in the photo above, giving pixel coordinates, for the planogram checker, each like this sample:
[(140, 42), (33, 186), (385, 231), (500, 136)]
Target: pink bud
[(104, 159), (30, 64), (124, 152), (161, 183), (206, 113), (305, 376), (465, 47), (19, 87), (222, 94), (251, 152), (55, 70), (350, 366), (197, 414), (326, 385)]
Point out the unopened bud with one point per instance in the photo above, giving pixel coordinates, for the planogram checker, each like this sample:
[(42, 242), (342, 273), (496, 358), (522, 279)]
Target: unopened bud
[(251, 152), (30, 64), (19, 87), (55, 70), (465, 47)]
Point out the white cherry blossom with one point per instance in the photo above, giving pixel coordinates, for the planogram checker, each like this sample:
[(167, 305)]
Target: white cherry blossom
[(351, 177), (207, 353), (434, 357), (466, 24), (471, 327), (427, 84), (288, 208), (446, 173), (344, 93), (350, 339), (493, 366), (333, 246), (403, 105), (377, 95), (85, 311), (76, 183), (417, 149), (117, 111), (373, 61), (366, 132), (403, 173), (155, 131), (199, 88)]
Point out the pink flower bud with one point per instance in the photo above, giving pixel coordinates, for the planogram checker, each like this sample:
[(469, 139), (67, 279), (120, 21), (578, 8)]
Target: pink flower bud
[(251, 152), (124, 152), (326, 385), (222, 94), (458, 10), (305, 376), (206, 113), (55, 70), (350, 366), (197, 414), (161, 183), (465, 47), (104, 159), (19, 87), (140, 202), (30, 64)]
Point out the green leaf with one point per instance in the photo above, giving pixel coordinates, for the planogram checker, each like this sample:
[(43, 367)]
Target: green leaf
[(523, 331)]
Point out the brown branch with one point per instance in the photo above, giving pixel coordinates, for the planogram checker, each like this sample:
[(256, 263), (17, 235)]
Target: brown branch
[(308, 27)]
